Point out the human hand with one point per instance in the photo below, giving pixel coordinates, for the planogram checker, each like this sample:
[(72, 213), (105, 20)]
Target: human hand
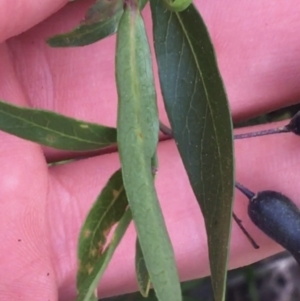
[(43, 208)]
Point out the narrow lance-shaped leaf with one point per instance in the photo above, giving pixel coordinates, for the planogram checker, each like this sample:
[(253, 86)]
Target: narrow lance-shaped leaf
[(197, 108), (138, 128), (54, 130), (93, 257), (101, 20)]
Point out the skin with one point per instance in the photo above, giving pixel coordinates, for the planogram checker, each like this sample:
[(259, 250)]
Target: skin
[(42, 209)]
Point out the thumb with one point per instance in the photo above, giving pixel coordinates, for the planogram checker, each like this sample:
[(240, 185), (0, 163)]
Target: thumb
[(18, 16)]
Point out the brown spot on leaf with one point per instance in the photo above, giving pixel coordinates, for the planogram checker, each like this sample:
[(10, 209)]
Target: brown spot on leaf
[(89, 268), (140, 134), (87, 233), (50, 138), (93, 252), (115, 193)]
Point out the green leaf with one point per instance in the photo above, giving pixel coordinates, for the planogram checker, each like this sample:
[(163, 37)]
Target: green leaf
[(198, 111), (177, 5), (142, 274), (138, 128), (101, 21), (108, 209), (54, 130)]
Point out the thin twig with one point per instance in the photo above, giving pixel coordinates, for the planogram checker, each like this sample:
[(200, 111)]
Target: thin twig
[(239, 222)]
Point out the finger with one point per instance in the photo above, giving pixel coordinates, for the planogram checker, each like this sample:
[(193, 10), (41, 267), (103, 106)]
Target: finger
[(260, 165), (26, 271), (19, 16)]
